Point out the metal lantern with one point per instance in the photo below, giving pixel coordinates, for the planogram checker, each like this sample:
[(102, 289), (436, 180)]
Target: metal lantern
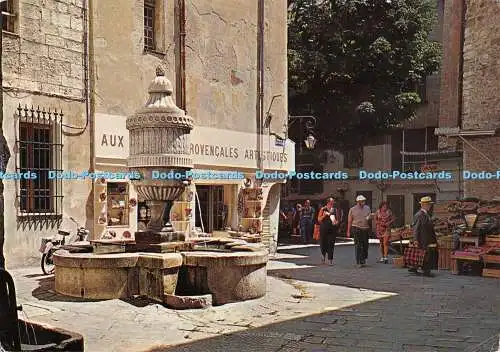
[(310, 142)]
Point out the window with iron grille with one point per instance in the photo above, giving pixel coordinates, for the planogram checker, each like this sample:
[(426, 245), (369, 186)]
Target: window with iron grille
[(40, 152), (8, 16), (149, 25)]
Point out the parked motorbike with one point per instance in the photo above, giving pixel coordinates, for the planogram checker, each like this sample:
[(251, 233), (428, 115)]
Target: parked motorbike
[(50, 245)]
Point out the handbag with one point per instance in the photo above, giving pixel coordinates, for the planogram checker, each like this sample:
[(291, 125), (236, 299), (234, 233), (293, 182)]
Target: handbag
[(414, 257), (316, 232), (317, 225)]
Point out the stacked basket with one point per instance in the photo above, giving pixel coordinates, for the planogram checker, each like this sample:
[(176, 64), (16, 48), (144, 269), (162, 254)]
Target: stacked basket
[(445, 248)]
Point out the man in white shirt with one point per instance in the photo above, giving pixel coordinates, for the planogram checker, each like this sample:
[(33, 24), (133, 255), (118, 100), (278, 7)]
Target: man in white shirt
[(358, 225)]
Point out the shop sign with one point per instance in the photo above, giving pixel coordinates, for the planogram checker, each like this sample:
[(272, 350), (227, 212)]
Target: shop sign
[(209, 146), (111, 136), (217, 147)]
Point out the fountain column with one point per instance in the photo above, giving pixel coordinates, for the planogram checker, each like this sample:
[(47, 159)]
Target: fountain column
[(159, 144)]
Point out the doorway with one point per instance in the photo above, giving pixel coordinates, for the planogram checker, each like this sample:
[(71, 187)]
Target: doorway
[(210, 202), (397, 205)]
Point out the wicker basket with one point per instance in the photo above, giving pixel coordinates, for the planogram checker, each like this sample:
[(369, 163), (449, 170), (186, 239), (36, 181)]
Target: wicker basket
[(445, 242), (398, 262)]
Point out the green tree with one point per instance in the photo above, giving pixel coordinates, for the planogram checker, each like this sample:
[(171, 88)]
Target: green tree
[(357, 64)]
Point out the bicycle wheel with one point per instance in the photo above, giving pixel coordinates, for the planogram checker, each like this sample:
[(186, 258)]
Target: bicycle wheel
[(47, 264)]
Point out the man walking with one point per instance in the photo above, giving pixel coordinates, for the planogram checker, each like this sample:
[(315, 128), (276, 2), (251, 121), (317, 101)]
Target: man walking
[(358, 225), (307, 222), (424, 235)]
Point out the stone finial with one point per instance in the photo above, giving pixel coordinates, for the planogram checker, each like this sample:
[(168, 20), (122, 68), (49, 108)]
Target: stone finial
[(159, 131)]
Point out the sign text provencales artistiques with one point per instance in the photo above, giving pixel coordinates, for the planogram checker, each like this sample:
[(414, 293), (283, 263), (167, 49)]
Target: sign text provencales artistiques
[(230, 152)]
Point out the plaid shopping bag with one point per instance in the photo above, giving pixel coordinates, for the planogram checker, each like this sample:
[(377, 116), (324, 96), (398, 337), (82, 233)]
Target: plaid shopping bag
[(414, 257)]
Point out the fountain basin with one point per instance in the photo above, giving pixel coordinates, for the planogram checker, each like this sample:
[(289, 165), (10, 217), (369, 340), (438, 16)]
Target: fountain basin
[(48, 338), (227, 274), (158, 274), (96, 276)]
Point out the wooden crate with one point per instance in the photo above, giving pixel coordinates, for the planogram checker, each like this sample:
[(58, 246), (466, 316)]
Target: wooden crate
[(491, 259), (495, 273), (445, 242), (492, 241), (398, 262), (444, 259), (457, 261)]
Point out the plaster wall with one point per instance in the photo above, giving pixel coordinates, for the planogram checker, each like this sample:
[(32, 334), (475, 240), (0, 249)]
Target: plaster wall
[(221, 60)]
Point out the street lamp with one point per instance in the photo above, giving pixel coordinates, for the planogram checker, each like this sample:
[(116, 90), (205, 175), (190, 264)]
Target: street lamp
[(310, 140)]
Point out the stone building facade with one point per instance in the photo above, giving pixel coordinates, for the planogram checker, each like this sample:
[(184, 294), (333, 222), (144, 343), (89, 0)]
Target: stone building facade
[(470, 105), (211, 52), (43, 67), (94, 61)]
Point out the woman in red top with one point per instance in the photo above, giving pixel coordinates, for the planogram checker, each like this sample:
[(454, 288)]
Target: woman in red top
[(384, 219)]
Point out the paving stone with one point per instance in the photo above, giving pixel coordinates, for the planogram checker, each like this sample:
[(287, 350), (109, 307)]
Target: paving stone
[(445, 313), (315, 339)]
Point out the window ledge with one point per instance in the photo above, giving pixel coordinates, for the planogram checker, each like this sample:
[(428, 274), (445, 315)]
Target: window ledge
[(156, 53), (10, 34), (22, 215)]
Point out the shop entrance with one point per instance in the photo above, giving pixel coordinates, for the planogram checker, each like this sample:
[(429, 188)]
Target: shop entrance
[(211, 202)]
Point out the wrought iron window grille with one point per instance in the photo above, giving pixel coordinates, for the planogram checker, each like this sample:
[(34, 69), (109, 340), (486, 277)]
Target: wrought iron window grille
[(38, 151)]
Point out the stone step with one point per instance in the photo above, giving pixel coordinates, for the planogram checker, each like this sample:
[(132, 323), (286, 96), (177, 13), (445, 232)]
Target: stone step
[(158, 237), (166, 247), (188, 302)]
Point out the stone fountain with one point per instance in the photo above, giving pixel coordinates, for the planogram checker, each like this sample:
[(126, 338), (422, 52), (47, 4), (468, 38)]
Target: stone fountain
[(159, 141), (178, 273)]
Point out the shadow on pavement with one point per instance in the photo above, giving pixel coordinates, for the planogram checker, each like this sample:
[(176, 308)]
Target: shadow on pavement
[(45, 292), (32, 276), (444, 313)]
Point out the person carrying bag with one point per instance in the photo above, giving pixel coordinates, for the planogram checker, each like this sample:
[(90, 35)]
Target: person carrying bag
[(317, 225), (329, 224)]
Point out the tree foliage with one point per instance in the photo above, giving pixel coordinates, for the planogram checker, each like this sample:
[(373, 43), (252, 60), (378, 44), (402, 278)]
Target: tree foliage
[(357, 64)]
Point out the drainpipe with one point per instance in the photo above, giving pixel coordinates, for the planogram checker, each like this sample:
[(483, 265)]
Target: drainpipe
[(89, 97), (260, 84), (181, 81), (4, 154), (461, 65)]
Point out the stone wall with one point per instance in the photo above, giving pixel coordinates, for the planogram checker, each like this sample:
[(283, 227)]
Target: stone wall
[(46, 55), (489, 148), (481, 101), (43, 66)]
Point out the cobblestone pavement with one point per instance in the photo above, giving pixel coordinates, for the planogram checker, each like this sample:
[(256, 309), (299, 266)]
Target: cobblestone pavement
[(443, 313), (138, 325)]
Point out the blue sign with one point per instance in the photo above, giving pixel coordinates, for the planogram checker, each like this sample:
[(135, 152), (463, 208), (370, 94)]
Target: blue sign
[(279, 142)]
